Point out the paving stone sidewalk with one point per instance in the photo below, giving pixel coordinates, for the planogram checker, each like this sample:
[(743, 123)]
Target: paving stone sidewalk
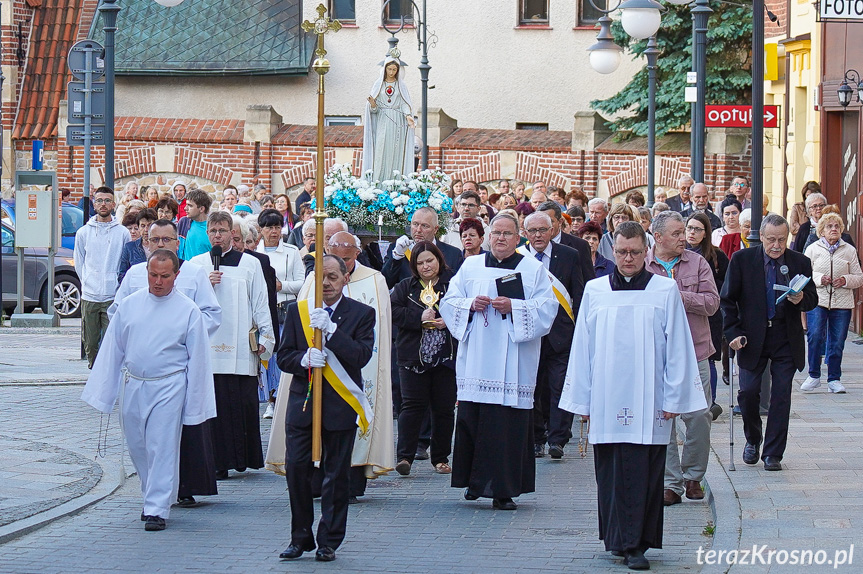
[(405, 524), (816, 502)]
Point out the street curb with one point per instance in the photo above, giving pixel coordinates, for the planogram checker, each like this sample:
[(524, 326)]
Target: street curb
[(725, 507), (111, 480)]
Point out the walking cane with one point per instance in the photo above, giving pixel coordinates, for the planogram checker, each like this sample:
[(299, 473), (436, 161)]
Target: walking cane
[(731, 407)]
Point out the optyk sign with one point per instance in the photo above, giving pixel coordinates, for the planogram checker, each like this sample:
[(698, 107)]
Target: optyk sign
[(739, 116)]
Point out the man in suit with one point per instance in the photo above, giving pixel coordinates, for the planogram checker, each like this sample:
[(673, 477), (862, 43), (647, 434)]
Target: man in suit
[(309, 187), (348, 330), (585, 261), (761, 330), (681, 202), (552, 424), (424, 227), (701, 204), (597, 210)]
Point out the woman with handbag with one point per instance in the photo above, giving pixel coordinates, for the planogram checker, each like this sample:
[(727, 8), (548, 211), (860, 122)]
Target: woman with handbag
[(426, 358), (290, 274)]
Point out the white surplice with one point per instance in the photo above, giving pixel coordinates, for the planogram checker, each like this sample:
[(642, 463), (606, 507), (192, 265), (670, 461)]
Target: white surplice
[(375, 448), (191, 282), (157, 347), (242, 295), (632, 358), (498, 357)]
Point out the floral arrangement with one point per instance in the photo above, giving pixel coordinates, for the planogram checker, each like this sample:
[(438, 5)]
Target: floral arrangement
[(365, 204)]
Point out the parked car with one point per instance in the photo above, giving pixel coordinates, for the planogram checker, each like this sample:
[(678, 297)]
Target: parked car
[(73, 219), (67, 286)]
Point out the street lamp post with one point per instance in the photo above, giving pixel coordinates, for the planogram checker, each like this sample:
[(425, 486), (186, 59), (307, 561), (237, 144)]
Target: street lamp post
[(421, 25), (109, 10), (641, 20), (757, 183)]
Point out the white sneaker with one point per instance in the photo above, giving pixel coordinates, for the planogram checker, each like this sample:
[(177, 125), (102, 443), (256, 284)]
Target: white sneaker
[(268, 414), (835, 387), (810, 384)]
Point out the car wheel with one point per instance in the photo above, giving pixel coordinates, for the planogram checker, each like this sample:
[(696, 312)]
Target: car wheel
[(67, 296)]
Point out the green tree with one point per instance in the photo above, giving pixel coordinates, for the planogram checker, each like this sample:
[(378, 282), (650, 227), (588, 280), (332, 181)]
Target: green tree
[(729, 77)]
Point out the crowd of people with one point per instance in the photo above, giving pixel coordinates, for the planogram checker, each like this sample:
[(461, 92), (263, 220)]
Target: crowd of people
[(482, 341)]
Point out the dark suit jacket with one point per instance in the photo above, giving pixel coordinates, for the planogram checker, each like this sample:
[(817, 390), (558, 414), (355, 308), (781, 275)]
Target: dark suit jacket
[(674, 203), (351, 344), (744, 304), (565, 264), (585, 260), (270, 278), (394, 270), (304, 197)]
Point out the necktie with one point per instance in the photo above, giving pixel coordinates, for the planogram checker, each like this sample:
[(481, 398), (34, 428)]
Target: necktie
[(329, 311), (771, 281), (539, 255)]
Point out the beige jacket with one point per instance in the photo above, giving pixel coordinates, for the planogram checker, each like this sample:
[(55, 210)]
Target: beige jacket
[(842, 263)]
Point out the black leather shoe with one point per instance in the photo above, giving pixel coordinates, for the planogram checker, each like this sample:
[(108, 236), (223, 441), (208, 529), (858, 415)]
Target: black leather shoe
[(772, 463), (325, 554), (186, 501), (468, 495), (353, 500), (539, 450), (296, 550), (422, 454), (221, 474), (503, 504), (635, 560), (750, 454), (154, 523), (555, 451)]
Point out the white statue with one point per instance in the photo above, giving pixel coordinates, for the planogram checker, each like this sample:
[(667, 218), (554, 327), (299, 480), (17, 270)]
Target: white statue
[(388, 137)]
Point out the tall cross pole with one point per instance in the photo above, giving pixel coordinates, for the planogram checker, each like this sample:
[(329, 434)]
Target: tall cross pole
[(321, 65)]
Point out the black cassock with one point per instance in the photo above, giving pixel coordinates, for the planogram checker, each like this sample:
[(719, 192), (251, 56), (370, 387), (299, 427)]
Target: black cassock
[(197, 465), (236, 430), (493, 455), (629, 477)]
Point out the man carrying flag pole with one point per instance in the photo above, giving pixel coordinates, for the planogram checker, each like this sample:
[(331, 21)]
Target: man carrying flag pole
[(347, 331)]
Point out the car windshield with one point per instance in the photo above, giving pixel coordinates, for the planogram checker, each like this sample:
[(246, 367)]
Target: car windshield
[(73, 219), (5, 213), (8, 240)]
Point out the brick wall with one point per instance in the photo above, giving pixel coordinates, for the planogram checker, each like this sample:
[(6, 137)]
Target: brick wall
[(213, 154)]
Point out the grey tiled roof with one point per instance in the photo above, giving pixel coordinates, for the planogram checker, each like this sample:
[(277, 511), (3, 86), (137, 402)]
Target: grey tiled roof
[(210, 37)]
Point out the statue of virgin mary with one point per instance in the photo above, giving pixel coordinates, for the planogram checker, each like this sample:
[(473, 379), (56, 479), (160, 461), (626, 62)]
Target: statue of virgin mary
[(388, 137)]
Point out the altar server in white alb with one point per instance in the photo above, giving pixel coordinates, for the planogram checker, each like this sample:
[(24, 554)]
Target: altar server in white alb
[(197, 465), (499, 307), (632, 368), (154, 357)]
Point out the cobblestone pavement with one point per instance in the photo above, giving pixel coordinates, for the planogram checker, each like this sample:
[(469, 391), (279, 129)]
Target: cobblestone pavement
[(404, 524), (418, 523), (40, 356)]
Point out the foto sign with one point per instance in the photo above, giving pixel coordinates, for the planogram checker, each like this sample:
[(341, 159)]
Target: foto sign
[(841, 9), (739, 116)]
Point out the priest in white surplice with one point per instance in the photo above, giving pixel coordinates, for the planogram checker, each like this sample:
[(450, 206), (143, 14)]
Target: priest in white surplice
[(498, 306), (242, 293), (631, 369), (374, 450), (154, 356), (197, 466)]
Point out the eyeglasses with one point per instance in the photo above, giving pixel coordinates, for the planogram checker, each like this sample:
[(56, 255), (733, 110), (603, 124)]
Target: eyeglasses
[(818, 206), (738, 184), (537, 230), (504, 234), (160, 240), (420, 225), (694, 229), (102, 201), (628, 254)]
